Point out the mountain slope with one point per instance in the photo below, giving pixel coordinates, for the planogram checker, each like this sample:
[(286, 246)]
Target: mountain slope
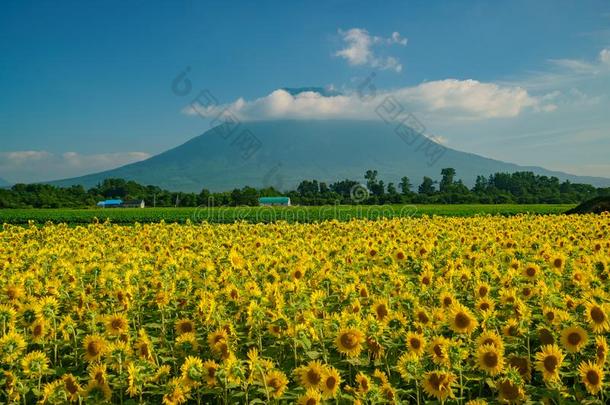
[(291, 151)]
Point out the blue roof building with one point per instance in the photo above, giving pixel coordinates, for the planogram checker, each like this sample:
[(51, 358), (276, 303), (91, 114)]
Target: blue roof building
[(110, 203), (285, 201)]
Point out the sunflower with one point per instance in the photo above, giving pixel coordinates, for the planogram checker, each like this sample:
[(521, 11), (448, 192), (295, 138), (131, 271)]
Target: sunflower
[(143, 347), (310, 376), (95, 346), (192, 371), (461, 319), (364, 383), (187, 342), (485, 304), (522, 365), (574, 338), (331, 381), (218, 336), (381, 310), (601, 350), (482, 290), (531, 271), (558, 262), (184, 326), (549, 361), (416, 343), (11, 346), (438, 384), (490, 359), (210, 368), (98, 373), (276, 383), (597, 316), (35, 364), (52, 393), (592, 376), (349, 341), (490, 337), (425, 279), (176, 392), (446, 299), (71, 387), (96, 393), (438, 349), (510, 391), (39, 330), (311, 397), (116, 325), (511, 328), (546, 337), (388, 392), (422, 317)]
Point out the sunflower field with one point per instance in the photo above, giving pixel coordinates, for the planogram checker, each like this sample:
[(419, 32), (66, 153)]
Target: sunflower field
[(475, 310)]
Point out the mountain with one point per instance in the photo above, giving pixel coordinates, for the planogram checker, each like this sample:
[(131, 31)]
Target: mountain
[(291, 151), (4, 183)]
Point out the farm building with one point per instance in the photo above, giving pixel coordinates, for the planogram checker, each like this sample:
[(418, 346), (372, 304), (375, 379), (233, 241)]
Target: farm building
[(133, 204), (271, 201), (110, 203), (121, 204)]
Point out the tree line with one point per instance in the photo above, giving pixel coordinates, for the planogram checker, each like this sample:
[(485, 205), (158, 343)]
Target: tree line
[(498, 188)]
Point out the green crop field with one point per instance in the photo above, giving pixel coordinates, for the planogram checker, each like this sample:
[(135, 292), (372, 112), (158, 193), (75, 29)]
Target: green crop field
[(266, 214)]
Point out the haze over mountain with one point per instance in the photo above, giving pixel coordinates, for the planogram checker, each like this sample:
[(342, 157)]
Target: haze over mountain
[(4, 183), (293, 150)]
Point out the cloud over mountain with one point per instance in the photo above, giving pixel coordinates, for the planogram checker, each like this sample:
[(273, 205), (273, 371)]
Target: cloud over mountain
[(451, 98)]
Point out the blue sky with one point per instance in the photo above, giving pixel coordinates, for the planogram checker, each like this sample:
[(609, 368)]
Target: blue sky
[(86, 86)]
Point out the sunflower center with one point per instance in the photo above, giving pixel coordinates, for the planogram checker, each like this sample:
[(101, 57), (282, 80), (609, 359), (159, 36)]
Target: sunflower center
[(382, 311), (422, 317), (520, 364), (311, 401), (557, 263), (574, 338), (546, 338), (331, 382), (186, 327), (462, 320), (116, 324), (597, 315), (482, 291), (490, 359), (550, 363), (550, 315), (509, 390), (436, 381), (530, 271), (211, 372), (349, 340), (298, 274), (415, 343), (71, 386), (313, 377), (447, 301), (37, 330), (93, 348), (484, 306), (438, 350), (275, 383), (593, 377)]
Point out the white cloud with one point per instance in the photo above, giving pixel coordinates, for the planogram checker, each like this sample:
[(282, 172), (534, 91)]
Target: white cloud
[(32, 165), (604, 56), (450, 99), (359, 49)]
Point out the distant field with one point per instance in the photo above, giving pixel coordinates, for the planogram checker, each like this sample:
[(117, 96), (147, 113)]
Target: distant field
[(267, 214)]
